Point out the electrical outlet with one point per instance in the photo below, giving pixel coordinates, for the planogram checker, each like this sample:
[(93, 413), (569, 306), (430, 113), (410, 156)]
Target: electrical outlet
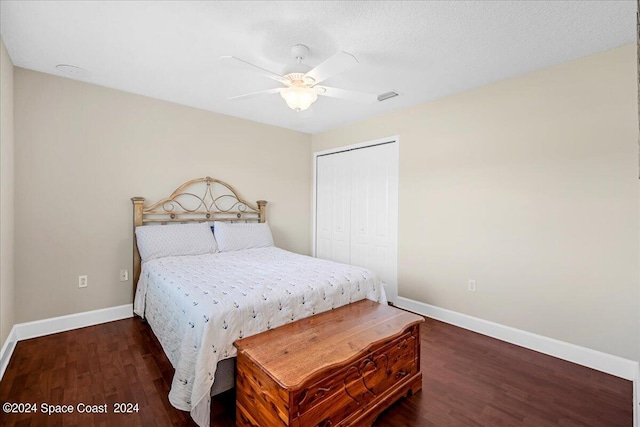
[(471, 284), (124, 275), (82, 281)]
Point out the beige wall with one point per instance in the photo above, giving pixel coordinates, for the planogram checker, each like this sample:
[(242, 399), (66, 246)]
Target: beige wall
[(82, 151), (6, 195), (529, 186)]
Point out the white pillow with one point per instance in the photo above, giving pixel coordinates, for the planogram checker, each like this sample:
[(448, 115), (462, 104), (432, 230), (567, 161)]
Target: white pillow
[(237, 236), (157, 241)]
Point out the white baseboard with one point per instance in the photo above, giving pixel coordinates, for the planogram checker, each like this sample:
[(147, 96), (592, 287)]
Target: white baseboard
[(54, 325), (604, 362), (7, 351), (38, 328)]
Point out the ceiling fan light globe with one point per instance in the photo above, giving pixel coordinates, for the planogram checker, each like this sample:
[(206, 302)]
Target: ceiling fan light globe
[(299, 98)]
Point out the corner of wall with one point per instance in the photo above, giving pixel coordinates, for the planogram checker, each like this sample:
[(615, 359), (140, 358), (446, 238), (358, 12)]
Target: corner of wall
[(7, 278)]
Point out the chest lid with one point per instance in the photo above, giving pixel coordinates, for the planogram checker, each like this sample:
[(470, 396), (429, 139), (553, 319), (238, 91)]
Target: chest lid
[(294, 352)]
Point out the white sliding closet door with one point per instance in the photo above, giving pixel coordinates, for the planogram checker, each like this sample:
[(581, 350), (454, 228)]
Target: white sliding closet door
[(374, 212), (333, 222), (357, 209)]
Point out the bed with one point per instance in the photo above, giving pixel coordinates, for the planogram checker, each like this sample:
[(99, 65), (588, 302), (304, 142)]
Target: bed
[(199, 302)]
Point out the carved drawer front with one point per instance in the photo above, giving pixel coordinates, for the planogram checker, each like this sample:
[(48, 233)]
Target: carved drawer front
[(331, 400)]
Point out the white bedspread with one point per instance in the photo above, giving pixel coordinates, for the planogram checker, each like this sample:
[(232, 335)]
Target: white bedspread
[(199, 305)]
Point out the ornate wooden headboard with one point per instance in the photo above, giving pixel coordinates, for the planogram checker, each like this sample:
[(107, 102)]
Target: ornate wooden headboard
[(198, 200)]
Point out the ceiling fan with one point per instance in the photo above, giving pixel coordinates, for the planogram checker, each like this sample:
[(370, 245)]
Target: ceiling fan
[(301, 82)]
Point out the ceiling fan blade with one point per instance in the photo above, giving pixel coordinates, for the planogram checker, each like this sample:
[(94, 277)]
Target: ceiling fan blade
[(351, 95), (261, 92), (336, 64), (253, 67)]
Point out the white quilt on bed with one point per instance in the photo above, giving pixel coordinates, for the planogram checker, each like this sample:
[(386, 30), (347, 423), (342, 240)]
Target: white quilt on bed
[(199, 305)]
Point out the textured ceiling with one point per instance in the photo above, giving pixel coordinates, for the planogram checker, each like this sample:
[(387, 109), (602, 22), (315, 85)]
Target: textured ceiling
[(424, 50)]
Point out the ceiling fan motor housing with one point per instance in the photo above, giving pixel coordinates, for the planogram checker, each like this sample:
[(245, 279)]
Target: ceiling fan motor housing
[(296, 69), (299, 52)]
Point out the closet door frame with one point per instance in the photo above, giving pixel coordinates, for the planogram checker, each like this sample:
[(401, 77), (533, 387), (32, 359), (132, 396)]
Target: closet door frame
[(395, 141)]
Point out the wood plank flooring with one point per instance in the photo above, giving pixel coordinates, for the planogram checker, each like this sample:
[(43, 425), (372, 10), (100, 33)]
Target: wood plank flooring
[(469, 380)]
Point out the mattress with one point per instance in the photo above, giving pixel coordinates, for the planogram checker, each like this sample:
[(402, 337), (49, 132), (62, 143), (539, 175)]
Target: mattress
[(199, 305)]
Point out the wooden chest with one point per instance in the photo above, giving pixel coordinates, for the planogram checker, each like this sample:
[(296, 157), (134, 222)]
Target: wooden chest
[(338, 368)]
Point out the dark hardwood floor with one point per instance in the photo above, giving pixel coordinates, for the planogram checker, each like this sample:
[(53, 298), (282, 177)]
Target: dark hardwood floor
[(469, 380)]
